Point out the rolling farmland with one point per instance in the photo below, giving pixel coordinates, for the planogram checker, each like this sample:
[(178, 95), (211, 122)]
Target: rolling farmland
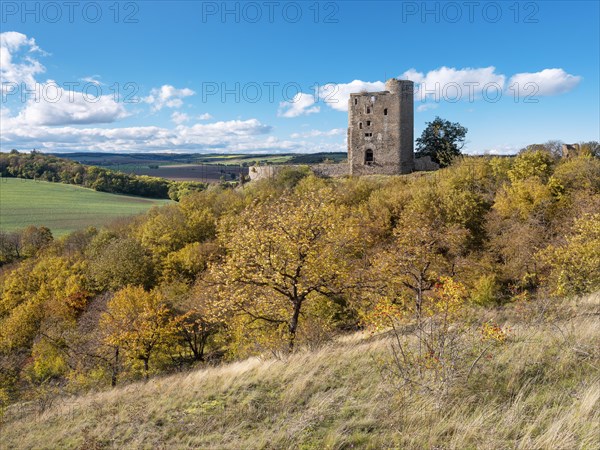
[(62, 208), (206, 168)]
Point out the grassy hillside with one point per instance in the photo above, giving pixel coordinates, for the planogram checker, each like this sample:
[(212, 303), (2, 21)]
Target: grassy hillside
[(539, 390), (62, 208)]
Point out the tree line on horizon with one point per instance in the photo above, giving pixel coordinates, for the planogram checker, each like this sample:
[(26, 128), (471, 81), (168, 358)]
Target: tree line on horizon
[(39, 166)]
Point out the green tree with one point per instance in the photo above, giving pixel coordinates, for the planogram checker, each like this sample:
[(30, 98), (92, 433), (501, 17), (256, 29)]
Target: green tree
[(119, 262), (442, 140)]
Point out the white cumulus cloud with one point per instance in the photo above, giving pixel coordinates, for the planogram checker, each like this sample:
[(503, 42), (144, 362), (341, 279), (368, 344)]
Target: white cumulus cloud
[(449, 83), (319, 133), (179, 117), (300, 105), (52, 105), (47, 103), (23, 71), (544, 83), (167, 96), (337, 95), (233, 135)]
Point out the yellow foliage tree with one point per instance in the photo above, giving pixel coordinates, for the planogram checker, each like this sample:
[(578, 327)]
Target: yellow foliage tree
[(139, 322), (575, 265), (532, 162), (525, 199), (119, 262), (53, 289), (185, 264), (284, 253), (424, 248), (164, 230)]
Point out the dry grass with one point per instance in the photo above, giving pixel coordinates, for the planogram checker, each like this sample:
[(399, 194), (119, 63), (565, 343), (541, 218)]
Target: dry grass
[(539, 391)]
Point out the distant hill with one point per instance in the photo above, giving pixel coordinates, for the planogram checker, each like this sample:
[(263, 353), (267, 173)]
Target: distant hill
[(108, 159)]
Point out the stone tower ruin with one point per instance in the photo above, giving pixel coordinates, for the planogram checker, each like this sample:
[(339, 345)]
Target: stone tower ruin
[(381, 130)]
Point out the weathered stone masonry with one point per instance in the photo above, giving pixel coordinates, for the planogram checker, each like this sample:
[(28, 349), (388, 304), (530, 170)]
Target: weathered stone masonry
[(381, 130)]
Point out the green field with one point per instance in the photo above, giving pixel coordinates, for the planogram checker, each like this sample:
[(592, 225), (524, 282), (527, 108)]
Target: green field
[(62, 208)]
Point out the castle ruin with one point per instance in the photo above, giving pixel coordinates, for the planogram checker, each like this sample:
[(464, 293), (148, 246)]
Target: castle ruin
[(380, 136), (381, 130)]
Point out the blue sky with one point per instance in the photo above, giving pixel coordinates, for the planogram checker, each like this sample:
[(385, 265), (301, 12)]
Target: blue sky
[(513, 73)]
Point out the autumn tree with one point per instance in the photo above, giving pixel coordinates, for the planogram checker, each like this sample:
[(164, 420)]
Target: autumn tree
[(284, 253), (532, 162), (11, 247), (575, 263), (35, 238), (423, 249), (185, 264), (579, 173), (198, 324), (39, 303), (524, 209), (139, 322), (51, 289), (466, 193), (591, 148)]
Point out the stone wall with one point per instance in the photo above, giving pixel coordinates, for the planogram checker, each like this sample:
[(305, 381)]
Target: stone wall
[(570, 150), (329, 170), (322, 170), (260, 172)]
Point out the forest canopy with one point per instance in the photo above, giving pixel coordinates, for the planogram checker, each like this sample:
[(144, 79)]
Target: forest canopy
[(279, 264)]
